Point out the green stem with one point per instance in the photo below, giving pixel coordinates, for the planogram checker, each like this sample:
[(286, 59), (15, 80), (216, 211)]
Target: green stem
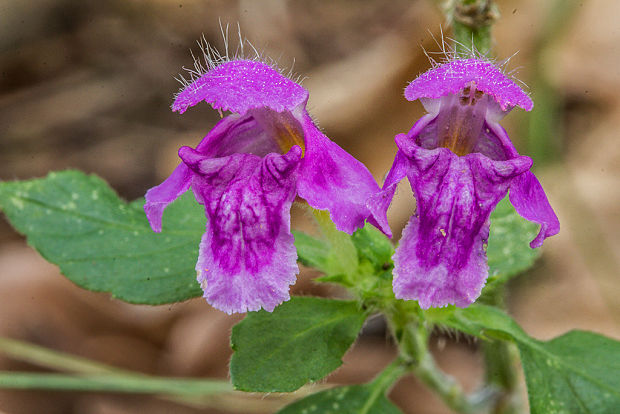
[(95, 376), (384, 381), (44, 357), (389, 375), (113, 382), (37, 355), (429, 373), (501, 362), (471, 22), (544, 124), (198, 393), (412, 335)]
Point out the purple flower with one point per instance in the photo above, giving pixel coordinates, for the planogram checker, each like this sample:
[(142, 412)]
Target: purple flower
[(247, 171), (460, 164)]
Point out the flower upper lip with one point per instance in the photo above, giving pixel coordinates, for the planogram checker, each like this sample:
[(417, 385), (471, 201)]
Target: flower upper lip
[(455, 75), (228, 88)]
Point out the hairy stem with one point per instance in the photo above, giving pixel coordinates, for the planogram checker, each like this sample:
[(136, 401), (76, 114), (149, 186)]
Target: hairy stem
[(412, 335), (48, 358), (89, 375), (389, 375), (113, 382), (385, 380), (471, 22), (501, 360), (544, 126)]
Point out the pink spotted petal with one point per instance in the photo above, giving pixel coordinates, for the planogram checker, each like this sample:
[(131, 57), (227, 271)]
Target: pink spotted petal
[(438, 285), (441, 258)]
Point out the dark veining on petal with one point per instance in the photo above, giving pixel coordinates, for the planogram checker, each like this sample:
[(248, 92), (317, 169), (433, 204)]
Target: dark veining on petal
[(441, 257)]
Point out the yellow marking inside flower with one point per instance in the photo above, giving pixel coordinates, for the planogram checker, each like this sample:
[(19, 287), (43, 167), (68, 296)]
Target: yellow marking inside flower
[(459, 134), (455, 140), (288, 136), (282, 127)]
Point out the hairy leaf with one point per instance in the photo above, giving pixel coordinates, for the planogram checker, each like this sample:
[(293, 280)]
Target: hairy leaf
[(302, 340), (311, 251), (356, 399), (573, 373), (373, 246), (104, 244)]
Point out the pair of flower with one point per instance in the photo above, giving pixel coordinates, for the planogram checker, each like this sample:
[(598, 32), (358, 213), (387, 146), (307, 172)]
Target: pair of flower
[(250, 167)]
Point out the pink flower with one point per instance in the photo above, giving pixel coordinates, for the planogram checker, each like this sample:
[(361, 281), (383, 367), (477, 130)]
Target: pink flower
[(460, 164)]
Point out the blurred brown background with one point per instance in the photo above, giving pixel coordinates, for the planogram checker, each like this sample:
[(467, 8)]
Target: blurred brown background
[(88, 85)]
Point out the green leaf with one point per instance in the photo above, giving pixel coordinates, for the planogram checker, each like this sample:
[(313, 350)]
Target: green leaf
[(509, 251), (303, 340), (374, 247), (483, 321), (311, 252), (578, 372), (356, 399), (322, 255), (575, 373), (374, 265), (104, 244), (340, 279)]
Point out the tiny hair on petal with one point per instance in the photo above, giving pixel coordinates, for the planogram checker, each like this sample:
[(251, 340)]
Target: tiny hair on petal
[(452, 51), (210, 58)]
